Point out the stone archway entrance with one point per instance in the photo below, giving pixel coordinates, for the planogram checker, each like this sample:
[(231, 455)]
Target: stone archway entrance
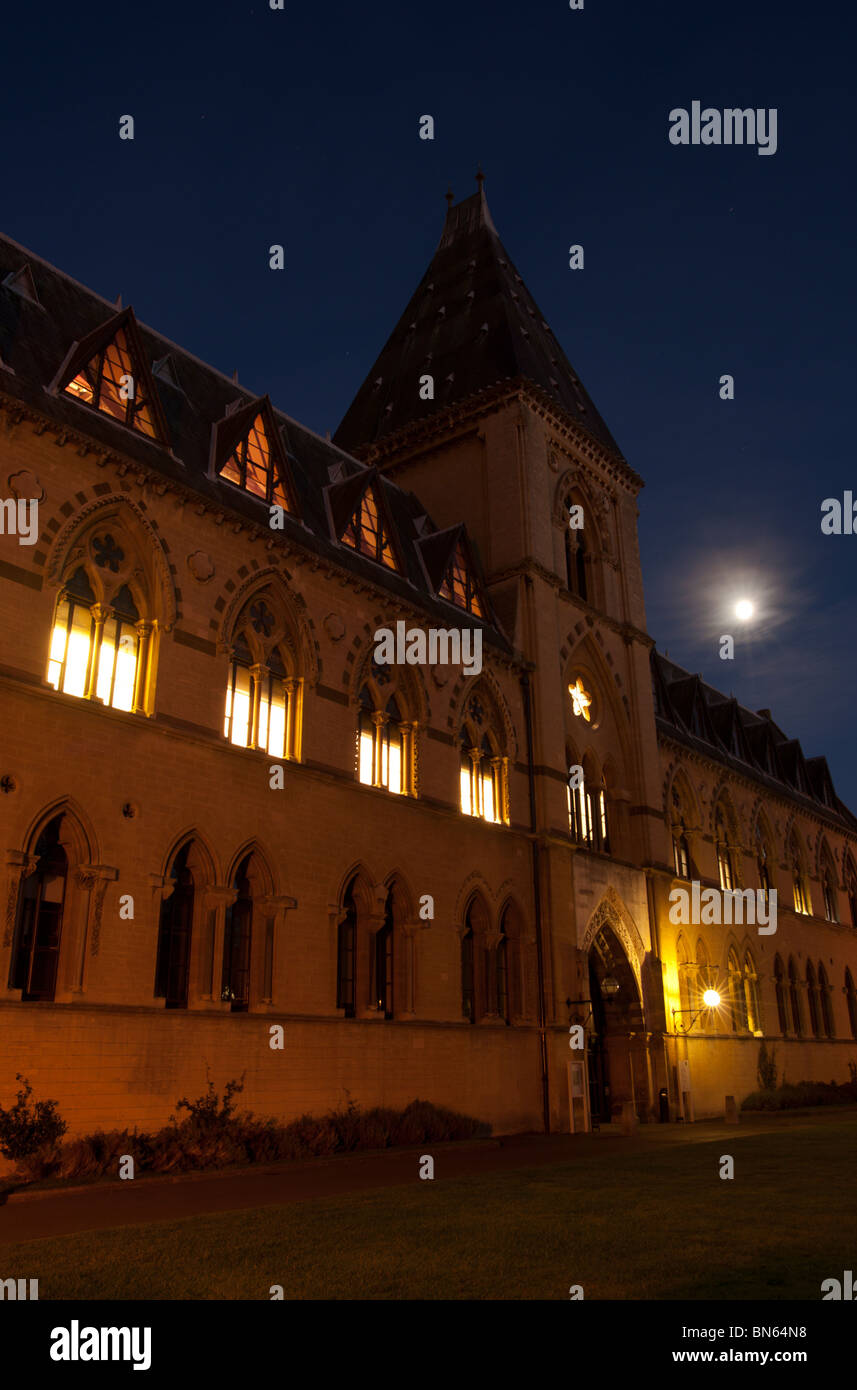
[(618, 1053)]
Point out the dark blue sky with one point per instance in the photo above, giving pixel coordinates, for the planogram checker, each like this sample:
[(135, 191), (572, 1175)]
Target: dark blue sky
[(300, 127)]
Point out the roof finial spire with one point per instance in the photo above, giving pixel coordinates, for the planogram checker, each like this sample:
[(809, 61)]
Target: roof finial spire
[(449, 195), (480, 178)]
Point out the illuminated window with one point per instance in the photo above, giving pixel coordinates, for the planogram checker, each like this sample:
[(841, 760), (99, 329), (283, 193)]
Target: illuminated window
[(383, 742), (253, 466), (737, 996), (751, 995), (36, 947), (367, 533), (459, 586), (587, 816), (95, 649), (109, 382), (235, 978), (483, 784), (681, 856), (828, 888), (725, 863), (260, 703), (801, 896)]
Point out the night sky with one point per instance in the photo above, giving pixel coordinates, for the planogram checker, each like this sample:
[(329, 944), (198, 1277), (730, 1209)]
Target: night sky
[(300, 127)]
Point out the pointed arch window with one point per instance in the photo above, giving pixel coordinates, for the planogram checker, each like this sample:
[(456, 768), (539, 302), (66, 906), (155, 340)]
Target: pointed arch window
[(794, 999), (254, 465), (459, 585), (828, 888), (751, 995), (346, 953), (825, 1003), (483, 770), (468, 980), (851, 888), (264, 692), (237, 936), (101, 645), (588, 822), (780, 990), (35, 953), (812, 1000), (681, 847), (112, 383), (725, 861), (763, 863), (851, 1002), (383, 941), (737, 998), (384, 741), (575, 557), (799, 890), (172, 967), (367, 533)]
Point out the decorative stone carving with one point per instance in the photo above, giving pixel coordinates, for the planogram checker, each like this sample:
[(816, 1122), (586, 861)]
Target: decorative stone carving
[(26, 485), (334, 627), (201, 566), (440, 675)]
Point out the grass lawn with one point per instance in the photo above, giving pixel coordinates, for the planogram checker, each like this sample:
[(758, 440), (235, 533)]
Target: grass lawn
[(642, 1218)]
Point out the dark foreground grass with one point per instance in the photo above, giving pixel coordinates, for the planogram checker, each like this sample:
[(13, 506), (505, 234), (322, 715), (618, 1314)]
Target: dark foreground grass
[(645, 1218)]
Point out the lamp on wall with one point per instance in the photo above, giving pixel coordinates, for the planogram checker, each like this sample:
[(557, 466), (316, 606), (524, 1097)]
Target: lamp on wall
[(710, 1000)]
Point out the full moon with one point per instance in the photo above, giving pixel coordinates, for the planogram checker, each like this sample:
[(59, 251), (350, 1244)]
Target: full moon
[(744, 609)]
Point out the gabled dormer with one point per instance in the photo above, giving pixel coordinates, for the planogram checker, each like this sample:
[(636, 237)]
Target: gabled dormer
[(361, 519), (247, 450), (108, 371), (449, 564), (21, 282)]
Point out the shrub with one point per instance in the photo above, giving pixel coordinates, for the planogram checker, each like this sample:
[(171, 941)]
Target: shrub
[(805, 1093), (214, 1136), (26, 1129)]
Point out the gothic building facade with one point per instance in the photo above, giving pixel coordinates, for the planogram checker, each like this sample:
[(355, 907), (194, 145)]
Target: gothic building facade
[(221, 811)]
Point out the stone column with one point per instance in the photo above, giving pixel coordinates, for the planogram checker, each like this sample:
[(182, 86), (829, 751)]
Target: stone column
[(206, 948), (269, 912), (93, 879), (19, 866), (144, 637)]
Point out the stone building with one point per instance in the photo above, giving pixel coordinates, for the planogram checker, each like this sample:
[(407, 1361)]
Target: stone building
[(222, 811)]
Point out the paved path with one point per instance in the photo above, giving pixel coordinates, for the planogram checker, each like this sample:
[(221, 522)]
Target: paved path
[(162, 1199)]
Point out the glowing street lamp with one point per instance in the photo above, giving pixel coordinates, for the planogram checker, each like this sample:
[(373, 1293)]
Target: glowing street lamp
[(744, 610)]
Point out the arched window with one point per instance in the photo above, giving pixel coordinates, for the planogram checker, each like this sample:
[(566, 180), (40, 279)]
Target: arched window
[(828, 889), (851, 1001), (780, 989), (799, 889), (794, 999), (483, 770), (36, 948), (575, 555), (824, 999), (851, 890), (104, 630), (264, 691), (174, 935), (737, 997), (468, 982), (708, 1019), (763, 862), (587, 811), (725, 860), (383, 961), (812, 1000), (681, 848), (346, 952), (751, 995), (508, 965), (383, 743), (235, 983)]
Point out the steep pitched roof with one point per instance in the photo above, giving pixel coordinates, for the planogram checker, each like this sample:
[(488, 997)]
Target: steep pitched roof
[(202, 409), (747, 740), (470, 324)]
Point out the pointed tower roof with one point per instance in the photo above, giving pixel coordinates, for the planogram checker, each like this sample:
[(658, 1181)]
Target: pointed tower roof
[(470, 324)]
